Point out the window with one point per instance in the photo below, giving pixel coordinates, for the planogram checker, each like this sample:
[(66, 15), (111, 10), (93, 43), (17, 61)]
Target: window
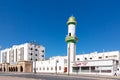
[(36, 50), (90, 58), (36, 59), (85, 58), (31, 59), (43, 51), (47, 68), (42, 55), (78, 59), (106, 56), (106, 71), (35, 54), (69, 34), (117, 62), (31, 54), (43, 68), (39, 68), (51, 68), (100, 57), (31, 48)]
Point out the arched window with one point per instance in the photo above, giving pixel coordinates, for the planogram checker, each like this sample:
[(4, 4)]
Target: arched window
[(9, 69), (78, 59), (51, 68), (21, 69), (47, 68), (4, 69), (39, 68)]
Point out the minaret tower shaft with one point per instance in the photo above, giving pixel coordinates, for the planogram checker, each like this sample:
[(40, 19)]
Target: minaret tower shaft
[(71, 40)]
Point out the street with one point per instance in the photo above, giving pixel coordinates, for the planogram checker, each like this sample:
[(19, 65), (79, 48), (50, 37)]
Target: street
[(54, 77)]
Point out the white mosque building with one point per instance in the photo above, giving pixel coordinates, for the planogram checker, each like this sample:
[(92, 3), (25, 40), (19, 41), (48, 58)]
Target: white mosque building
[(104, 63)]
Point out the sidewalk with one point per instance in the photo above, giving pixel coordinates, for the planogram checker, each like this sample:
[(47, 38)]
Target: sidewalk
[(16, 78), (82, 75), (71, 75)]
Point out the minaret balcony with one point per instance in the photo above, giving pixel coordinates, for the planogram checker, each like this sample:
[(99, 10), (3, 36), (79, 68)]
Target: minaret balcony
[(71, 39)]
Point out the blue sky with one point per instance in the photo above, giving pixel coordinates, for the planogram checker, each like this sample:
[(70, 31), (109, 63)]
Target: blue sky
[(44, 21)]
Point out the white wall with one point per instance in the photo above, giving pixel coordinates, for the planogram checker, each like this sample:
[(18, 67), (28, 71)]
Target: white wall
[(95, 56), (51, 63)]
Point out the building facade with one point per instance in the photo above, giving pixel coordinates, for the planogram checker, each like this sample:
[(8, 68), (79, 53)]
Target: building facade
[(97, 63), (93, 63), (104, 63), (24, 53), (56, 65)]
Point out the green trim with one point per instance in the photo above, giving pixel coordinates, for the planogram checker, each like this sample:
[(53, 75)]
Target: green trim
[(71, 23), (71, 39)]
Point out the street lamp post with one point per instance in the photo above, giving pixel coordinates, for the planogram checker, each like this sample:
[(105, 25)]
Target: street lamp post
[(35, 54), (35, 59), (4, 63), (34, 66), (56, 66)]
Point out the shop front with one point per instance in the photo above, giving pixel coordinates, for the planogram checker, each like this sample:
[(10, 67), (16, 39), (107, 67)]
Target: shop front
[(95, 67)]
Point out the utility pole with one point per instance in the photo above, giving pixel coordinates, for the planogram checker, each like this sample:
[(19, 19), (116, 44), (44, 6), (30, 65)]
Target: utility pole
[(34, 59)]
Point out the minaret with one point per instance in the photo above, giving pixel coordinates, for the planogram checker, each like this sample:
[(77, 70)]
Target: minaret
[(71, 40)]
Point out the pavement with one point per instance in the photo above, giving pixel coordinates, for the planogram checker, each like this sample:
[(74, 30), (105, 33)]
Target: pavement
[(87, 76), (15, 78), (84, 75)]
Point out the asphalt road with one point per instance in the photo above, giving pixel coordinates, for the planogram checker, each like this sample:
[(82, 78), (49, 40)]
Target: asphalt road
[(52, 77)]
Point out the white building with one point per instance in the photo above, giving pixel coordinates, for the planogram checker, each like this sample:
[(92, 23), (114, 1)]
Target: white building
[(23, 52), (104, 63), (54, 65), (97, 63), (93, 63)]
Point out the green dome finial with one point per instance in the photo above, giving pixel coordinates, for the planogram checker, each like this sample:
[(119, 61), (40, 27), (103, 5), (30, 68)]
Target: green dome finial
[(71, 20)]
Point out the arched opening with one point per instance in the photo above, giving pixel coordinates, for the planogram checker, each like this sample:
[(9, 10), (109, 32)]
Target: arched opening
[(9, 69), (1, 69), (16, 69), (13, 69), (4, 69), (21, 69)]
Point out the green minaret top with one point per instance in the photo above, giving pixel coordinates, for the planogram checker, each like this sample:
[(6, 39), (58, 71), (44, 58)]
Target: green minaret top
[(71, 20)]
